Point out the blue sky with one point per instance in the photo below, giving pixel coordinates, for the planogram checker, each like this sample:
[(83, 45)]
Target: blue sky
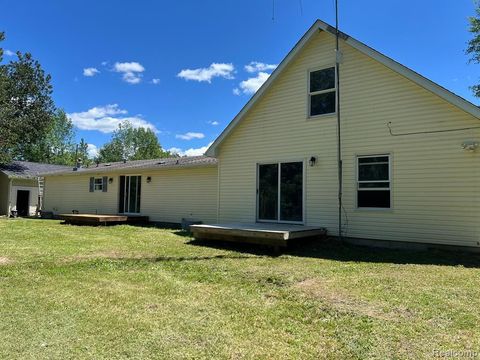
[(151, 61)]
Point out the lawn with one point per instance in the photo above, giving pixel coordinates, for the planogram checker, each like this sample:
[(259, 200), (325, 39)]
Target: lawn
[(133, 292)]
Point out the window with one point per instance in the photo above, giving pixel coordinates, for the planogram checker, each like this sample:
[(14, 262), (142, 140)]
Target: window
[(373, 181), (322, 92), (98, 184), (280, 192)]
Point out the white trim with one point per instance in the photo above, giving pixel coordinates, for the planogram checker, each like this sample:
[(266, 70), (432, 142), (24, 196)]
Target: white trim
[(95, 185), (420, 80), (357, 181), (310, 94), (126, 195)]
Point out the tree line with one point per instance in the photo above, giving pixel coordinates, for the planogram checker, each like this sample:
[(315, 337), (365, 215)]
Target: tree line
[(33, 128)]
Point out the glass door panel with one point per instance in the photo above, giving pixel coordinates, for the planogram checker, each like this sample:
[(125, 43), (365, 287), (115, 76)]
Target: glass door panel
[(268, 192)]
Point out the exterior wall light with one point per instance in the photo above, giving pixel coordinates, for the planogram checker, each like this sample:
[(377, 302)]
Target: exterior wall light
[(110, 180), (312, 161), (149, 179)]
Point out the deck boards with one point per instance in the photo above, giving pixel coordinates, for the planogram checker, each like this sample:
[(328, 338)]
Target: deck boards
[(278, 235), (98, 219)]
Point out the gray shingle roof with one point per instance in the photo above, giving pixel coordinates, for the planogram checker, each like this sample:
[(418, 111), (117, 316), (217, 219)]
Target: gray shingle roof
[(29, 170), (163, 163)]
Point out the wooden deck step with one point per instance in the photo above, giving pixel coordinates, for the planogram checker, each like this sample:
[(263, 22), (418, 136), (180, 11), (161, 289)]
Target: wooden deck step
[(98, 219), (277, 235)]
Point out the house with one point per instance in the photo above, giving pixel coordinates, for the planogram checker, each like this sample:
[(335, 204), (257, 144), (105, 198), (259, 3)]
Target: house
[(20, 186), (166, 190), (410, 167)]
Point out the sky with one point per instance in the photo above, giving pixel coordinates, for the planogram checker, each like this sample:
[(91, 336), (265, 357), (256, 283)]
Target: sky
[(185, 68)]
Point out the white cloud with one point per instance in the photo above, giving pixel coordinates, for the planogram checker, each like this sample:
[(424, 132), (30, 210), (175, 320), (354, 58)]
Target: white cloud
[(175, 150), (91, 71), (155, 81), (207, 74), (190, 152), (8, 52), (132, 71), (236, 91), (106, 119), (128, 67), (190, 136), (251, 85), (214, 123), (104, 63), (256, 66), (92, 150)]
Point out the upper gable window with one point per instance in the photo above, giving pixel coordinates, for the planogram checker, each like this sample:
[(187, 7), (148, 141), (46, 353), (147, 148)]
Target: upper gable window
[(322, 92)]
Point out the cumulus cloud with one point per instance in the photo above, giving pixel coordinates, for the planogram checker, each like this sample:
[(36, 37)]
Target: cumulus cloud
[(236, 91), (155, 81), (190, 136), (92, 150), (8, 52), (251, 85), (190, 152), (91, 71), (131, 71), (207, 74), (214, 123), (106, 119), (256, 66)]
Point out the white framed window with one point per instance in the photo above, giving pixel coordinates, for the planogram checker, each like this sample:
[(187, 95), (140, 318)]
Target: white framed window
[(374, 181), (322, 92), (98, 184)]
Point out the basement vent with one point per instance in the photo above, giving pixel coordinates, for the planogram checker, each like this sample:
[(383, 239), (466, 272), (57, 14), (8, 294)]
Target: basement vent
[(107, 164), (161, 163)]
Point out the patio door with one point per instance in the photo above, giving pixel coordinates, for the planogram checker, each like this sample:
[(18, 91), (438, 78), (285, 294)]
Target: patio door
[(280, 192), (130, 193)]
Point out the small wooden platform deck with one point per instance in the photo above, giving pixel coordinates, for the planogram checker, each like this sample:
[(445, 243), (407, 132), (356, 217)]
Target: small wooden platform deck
[(276, 235), (96, 219)]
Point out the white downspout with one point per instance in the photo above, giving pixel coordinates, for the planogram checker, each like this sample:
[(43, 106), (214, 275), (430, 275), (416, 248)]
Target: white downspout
[(9, 200)]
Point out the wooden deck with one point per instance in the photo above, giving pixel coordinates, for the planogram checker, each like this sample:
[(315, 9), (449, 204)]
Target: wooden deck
[(276, 235), (96, 219)]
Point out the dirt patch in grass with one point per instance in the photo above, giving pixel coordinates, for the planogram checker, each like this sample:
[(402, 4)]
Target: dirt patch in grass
[(5, 260), (341, 301)]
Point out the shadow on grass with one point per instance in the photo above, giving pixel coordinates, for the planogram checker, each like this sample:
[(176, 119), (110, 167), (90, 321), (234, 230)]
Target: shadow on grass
[(331, 249)]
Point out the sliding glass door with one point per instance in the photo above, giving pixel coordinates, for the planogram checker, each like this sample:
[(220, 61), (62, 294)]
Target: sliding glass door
[(280, 192), (130, 191)]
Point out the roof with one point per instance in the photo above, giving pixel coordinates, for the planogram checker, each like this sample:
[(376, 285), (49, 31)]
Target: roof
[(319, 25), (28, 170), (153, 164)]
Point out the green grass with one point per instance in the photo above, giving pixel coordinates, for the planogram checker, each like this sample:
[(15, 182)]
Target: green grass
[(133, 292)]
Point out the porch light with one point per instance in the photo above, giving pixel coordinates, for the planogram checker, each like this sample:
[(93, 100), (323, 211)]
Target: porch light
[(110, 180), (149, 179), (312, 161)]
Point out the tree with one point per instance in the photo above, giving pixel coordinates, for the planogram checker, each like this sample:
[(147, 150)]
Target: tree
[(129, 143), (55, 147), (473, 48), (81, 153), (26, 107)]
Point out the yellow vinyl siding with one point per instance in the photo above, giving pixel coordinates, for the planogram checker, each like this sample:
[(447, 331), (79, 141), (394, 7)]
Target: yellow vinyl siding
[(171, 195), (435, 186), (62, 194), (180, 193)]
